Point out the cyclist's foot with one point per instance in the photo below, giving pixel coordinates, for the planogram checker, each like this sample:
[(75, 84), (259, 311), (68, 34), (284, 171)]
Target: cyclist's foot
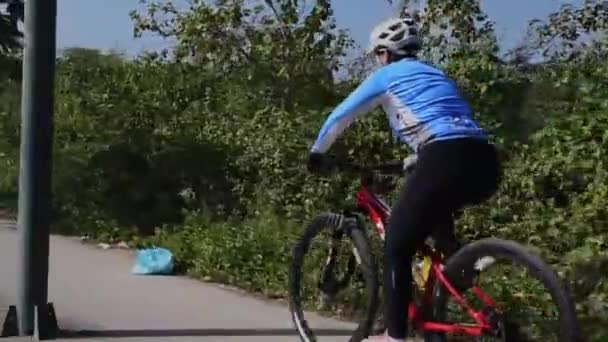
[(469, 274)]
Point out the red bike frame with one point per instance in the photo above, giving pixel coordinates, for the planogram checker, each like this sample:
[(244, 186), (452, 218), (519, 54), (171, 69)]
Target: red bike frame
[(379, 212)]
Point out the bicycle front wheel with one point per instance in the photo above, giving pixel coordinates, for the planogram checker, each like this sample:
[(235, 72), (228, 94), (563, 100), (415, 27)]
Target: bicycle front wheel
[(365, 263), (464, 268)]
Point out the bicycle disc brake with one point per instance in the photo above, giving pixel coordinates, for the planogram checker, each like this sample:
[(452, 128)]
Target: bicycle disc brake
[(497, 324), (329, 284)]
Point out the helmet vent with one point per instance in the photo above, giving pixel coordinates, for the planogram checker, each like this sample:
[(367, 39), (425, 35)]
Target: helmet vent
[(395, 27), (398, 36)]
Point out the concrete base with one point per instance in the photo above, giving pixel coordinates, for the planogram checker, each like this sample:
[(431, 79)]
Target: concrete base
[(9, 326), (45, 323)]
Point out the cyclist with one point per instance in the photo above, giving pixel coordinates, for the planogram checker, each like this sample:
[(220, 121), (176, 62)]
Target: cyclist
[(456, 164)]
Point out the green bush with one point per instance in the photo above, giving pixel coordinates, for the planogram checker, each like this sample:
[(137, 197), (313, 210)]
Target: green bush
[(251, 254)]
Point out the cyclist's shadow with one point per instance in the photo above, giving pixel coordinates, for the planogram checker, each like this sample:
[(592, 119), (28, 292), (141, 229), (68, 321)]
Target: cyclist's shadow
[(127, 333)]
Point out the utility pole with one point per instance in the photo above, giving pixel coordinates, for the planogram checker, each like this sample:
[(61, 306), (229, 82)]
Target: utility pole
[(34, 315)]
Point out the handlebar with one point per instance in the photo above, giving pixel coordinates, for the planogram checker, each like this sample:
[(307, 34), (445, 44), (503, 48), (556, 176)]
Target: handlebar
[(392, 167)]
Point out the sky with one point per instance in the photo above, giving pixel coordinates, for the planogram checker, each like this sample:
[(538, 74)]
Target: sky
[(105, 24)]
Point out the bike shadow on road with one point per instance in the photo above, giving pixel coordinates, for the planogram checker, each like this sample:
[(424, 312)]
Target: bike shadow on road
[(196, 333)]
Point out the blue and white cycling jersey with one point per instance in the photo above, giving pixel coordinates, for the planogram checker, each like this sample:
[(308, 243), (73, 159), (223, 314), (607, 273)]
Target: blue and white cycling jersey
[(421, 103)]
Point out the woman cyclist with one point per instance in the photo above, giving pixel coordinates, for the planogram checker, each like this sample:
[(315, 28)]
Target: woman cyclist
[(456, 164)]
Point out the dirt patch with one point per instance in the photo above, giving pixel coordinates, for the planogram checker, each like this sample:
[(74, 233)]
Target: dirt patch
[(8, 214)]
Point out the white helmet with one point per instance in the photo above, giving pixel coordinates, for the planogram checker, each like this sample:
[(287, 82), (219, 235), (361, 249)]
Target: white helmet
[(399, 35)]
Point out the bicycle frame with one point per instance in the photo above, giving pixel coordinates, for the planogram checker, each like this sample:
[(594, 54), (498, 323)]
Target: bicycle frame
[(378, 212)]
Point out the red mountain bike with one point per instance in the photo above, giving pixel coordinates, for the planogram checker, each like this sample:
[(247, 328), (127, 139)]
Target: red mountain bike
[(436, 279)]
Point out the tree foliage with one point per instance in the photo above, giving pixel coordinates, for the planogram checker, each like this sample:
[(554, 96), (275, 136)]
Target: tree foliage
[(9, 31)]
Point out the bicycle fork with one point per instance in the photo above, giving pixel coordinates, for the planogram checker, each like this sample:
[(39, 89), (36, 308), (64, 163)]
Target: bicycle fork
[(330, 285)]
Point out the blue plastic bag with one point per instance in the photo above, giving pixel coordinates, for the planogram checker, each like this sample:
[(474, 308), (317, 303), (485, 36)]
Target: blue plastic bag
[(153, 261)]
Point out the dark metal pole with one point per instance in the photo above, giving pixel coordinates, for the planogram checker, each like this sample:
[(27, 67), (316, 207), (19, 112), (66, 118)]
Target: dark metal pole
[(36, 160)]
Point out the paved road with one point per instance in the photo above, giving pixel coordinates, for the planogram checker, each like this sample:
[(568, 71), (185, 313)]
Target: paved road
[(92, 289)]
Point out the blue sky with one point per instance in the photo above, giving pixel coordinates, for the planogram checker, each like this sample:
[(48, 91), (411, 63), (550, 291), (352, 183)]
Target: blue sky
[(105, 24)]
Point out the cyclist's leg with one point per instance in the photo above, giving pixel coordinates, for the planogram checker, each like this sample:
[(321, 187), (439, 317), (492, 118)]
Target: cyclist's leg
[(415, 214), (444, 234), (447, 242), (448, 175)]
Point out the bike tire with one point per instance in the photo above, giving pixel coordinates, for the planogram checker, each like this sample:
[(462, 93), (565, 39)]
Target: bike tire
[(367, 264), (498, 248)]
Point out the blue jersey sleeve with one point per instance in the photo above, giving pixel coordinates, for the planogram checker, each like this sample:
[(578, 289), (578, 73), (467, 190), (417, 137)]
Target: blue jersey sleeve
[(360, 101)]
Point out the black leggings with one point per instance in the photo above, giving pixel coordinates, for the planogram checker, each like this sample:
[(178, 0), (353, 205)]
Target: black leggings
[(449, 175)]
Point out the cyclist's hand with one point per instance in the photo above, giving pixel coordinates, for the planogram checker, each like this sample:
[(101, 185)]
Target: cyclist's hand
[(317, 162)]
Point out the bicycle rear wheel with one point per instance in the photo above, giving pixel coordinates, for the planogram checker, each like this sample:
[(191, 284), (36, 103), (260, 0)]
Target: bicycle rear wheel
[(470, 254), (365, 262)]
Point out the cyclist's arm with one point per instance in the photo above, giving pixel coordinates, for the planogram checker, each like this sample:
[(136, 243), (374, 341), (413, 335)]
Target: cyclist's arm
[(362, 100)]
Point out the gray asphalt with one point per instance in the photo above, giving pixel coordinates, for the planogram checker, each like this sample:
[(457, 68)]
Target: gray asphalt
[(92, 289)]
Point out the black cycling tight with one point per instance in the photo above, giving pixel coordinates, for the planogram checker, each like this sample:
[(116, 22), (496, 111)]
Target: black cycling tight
[(449, 175)]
